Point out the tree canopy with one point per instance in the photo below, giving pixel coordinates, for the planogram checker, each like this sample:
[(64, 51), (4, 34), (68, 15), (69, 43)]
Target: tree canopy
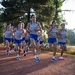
[(16, 10), (46, 10)]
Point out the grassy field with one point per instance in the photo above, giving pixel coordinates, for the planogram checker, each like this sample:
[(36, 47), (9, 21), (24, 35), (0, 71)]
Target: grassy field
[(70, 51)]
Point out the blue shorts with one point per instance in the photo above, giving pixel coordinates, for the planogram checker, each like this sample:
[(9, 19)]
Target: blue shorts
[(23, 39), (8, 39), (12, 39), (40, 42), (51, 40), (34, 36), (62, 43), (26, 41), (17, 41)]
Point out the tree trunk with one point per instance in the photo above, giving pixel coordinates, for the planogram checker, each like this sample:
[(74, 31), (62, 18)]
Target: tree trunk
[(29, 14)]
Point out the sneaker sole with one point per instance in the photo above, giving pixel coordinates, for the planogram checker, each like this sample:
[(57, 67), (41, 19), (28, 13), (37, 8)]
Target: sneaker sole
[(61, 59), (38, 61), (53, 60), (18, 58)]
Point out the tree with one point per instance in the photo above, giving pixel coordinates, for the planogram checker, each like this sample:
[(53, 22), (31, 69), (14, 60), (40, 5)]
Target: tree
[(1, 32), (71, 36), (51, 12), (17, 8), (46, 11)]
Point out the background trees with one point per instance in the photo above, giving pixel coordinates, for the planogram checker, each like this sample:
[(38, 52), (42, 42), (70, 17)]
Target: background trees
[(71, 36), (16, 10), (46, 10)]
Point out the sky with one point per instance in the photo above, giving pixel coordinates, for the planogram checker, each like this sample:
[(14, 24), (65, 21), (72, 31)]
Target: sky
[(68, 16), (0, 5)]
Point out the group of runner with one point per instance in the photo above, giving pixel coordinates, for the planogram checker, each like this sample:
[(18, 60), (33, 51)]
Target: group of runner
[(33, 34)]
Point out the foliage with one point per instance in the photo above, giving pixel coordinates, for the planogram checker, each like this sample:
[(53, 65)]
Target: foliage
[(1, 32), (46, 11), (71, 36)]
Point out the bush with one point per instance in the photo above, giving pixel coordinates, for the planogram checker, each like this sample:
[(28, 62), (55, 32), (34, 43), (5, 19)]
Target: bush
[(1, 39)]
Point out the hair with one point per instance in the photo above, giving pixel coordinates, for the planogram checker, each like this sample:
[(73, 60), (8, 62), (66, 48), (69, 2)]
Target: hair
[(33, 15), (20, 22), (53, 21), (8, 24), (62, 24)]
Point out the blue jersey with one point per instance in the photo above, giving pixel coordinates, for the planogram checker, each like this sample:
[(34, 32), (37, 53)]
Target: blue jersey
[(8, 34), (62, 36), (18, 34), (53, 33), (33, 27)]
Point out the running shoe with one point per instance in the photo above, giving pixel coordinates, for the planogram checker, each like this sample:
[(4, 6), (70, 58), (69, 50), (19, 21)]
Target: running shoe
[(46, 46), (27, 48), (61, 58), (37, 59), (17, 58), (24, 54), (39, 52), (7, 52), (54, 60)]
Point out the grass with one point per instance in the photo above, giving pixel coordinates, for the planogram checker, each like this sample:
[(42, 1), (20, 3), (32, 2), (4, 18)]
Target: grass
[(70, 51)]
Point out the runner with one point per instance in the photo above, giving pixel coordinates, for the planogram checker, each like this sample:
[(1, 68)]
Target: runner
[(18, 39), (25, 40), (40, 42), (8, 38), (27, 37), (23, 45), (33, 28), (52, 35), (62, 40)]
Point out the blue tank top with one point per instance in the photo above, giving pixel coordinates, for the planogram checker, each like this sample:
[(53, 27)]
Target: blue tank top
[(8, 34), (33, 27), (18, 34), (53, 32), (63, 36)]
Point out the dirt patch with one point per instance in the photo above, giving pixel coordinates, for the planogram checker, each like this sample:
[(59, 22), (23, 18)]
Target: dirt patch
[(27, 65)]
